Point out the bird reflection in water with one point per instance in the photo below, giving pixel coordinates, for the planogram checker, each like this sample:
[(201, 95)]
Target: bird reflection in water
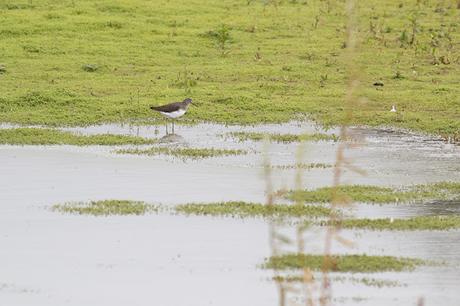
[(172, 138)]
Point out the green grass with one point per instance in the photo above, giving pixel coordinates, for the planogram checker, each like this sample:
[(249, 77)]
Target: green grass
[(106, 208), (192, 153), (243, 209), (284, 138), (374, 194), (343, 263), (416, 223), (39, 136), (86, 62)]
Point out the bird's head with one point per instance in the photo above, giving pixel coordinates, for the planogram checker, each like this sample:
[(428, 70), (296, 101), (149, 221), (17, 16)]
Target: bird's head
[(187, 101)]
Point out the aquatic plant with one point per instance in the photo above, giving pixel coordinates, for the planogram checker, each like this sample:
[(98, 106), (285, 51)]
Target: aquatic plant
[(367, 281), (285, 138), (343, 263), (192, 153), (415, 223), (377, 194), (106, 208), (304, 166), (244, 209)]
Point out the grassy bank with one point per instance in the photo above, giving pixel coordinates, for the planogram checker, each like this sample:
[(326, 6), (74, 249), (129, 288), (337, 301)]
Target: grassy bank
[(84, 62), (38, 136)]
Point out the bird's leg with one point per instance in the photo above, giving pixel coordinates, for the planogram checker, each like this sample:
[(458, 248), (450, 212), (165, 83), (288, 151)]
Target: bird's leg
[(173, 126), (166, 125)]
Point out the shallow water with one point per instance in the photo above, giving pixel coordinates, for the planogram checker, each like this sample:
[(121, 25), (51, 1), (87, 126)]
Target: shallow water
[(53, 259)]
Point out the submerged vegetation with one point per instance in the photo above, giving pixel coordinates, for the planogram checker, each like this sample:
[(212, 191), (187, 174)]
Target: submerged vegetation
[(343, 263), (370, 282), (43, 136), (373, 282), (106, 208), (303, 166), (192, 153), (246, 61), (244, 209), (415, 223), (375, 194), (285, 138)]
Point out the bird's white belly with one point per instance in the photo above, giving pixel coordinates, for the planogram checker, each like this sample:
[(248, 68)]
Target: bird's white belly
[(175, 114)]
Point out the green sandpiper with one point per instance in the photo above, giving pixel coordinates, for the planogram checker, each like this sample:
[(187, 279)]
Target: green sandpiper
[(173, 110)]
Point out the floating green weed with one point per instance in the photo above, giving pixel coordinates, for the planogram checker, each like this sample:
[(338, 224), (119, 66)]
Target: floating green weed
[(243, 209), (343, 263), (415, 223), (375, 194), (285, 138), (192, 153), (106, 207), (39, 136)]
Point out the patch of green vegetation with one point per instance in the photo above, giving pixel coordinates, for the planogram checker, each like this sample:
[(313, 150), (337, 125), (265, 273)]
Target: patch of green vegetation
[(374, 194), (371, 282), (192, 153), (249, 61), (415, 223), (285, 138), (39, 136), (343, 263), (90, 67), (243, 209), (106, 208), (303, 166)]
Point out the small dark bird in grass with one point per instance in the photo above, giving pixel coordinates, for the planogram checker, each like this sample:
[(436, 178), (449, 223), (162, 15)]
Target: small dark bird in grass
[(173, 110)]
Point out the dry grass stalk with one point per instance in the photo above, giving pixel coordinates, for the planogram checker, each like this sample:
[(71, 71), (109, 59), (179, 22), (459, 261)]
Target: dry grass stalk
[(342, 162), (307, 274), (274, 236)]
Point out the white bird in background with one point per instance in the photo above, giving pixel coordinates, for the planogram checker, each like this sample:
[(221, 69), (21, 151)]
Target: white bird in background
[(393, 109)]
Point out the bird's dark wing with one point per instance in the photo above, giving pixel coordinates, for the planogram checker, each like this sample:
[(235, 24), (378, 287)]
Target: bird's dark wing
[(168, 108)]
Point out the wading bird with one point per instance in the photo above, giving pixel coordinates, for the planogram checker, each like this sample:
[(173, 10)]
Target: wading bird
[(173, 110)]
